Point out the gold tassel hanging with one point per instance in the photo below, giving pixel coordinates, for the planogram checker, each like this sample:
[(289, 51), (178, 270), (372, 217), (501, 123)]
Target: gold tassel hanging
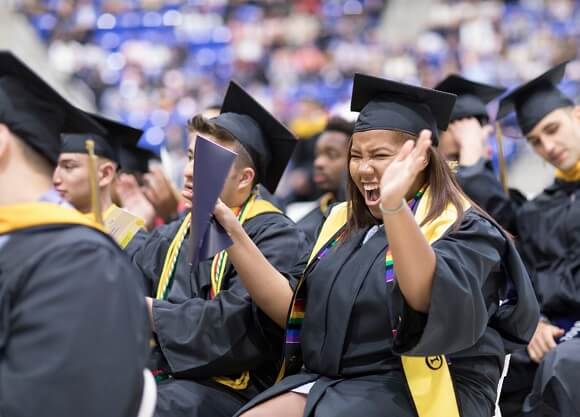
[(501, 159), (95, 198)]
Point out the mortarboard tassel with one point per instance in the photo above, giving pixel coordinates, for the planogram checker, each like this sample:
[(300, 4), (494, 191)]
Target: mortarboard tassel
[(95, 200), (501, 159)]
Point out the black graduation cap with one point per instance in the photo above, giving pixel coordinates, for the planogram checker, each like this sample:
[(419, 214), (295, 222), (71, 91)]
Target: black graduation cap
[(34, 111), (533, 100), (107, 145), (269, 143), (472, 97), (135, 159), (390, 105)]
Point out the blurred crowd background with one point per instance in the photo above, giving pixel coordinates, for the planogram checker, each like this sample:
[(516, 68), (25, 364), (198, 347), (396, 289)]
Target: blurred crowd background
[(155, 63)]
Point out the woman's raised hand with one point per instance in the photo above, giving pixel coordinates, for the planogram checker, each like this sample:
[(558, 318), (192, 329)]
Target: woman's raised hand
[(224, 215), (400, 175)]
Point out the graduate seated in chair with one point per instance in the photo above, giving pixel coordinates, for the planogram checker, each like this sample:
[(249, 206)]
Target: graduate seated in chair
[(398, 312), (71, 178), (466, 142), (214, 349), (544, 378), (74, 332), (329, 173)]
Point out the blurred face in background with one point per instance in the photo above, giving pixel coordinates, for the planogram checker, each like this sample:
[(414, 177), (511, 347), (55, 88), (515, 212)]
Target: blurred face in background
[(71, 180), (448, 146), (330, 162)]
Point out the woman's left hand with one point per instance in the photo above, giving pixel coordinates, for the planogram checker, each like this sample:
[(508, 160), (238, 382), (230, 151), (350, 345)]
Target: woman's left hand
[(402, 172), (224, 215)]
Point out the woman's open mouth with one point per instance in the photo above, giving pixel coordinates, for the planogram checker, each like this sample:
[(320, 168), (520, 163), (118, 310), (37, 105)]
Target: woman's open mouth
[(372, 194)]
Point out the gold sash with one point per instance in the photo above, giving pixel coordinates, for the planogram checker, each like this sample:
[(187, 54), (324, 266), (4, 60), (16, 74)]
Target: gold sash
[(572, 175), (23, 216)]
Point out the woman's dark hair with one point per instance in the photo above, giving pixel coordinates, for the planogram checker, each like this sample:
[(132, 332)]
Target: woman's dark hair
[(444, 189)]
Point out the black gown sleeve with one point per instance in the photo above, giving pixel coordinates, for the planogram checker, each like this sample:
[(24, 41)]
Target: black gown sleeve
[(135, 244), (227, 335), (458, 313), (311, 224), (479, 182), (73, 336)]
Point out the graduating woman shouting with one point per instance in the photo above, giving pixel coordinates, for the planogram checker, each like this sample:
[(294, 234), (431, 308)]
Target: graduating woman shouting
[(410, 291)]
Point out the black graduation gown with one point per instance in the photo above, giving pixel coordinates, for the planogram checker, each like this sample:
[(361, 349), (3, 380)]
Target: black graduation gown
[(480, 183), (199, 338), (347, 341), (73, 332), (135, 243), (311, 223), (547, 229)]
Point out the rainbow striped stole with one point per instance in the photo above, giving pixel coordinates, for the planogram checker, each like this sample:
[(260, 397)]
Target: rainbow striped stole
[(389, 263), (296, 317)]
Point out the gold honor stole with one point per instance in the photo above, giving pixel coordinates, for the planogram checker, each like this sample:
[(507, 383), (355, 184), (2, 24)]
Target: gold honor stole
[(120, 224), (253, 207), (428, 378), (572, 175), (24, 216)]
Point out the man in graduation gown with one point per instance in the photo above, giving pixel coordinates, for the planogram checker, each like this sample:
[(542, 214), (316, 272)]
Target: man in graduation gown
[(331, 152), (214, 348), (548, 237), (466, 142), (71, 178), (73, 338)]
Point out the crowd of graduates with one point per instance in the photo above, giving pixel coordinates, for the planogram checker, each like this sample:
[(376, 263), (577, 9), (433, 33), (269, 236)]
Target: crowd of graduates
[(400, 291)]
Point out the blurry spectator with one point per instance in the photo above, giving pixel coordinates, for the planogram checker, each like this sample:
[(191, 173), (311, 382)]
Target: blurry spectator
[(154, 63), (330, 167)]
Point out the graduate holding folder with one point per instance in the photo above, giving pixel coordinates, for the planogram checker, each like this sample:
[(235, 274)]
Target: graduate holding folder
[(214, 348), (398, 312)]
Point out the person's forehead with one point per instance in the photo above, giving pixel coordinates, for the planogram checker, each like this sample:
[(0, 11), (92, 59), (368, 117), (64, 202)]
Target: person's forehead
[(73, 157), (332, 139), (553, 116), (377, 138)]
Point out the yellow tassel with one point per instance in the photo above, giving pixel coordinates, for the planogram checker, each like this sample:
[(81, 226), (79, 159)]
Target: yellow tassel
[(501, 159), (95, 200)]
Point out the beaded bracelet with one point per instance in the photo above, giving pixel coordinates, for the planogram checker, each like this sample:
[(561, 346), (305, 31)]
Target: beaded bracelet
[(392, 211)]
